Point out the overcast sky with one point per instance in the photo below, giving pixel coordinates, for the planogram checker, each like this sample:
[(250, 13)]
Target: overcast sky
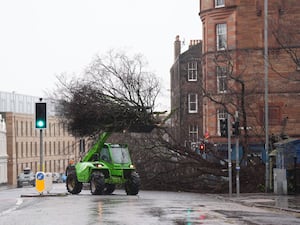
[(40, 39)]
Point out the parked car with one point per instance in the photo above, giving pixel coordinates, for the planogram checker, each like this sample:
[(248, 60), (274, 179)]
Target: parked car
[(56, 178), (27, 177)]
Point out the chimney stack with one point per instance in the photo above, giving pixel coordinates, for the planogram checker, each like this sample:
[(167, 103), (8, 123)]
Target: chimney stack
[(194, 42), (177, 48)]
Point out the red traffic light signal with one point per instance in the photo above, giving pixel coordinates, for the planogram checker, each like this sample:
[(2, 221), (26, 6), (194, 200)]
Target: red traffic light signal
[(202, 147)]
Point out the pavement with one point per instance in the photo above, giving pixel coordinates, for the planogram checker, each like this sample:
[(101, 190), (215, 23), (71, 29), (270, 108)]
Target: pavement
[(4, 187), (289, 203)]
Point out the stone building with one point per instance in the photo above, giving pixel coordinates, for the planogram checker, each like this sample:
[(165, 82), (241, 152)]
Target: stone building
[(23, 139), (186, 93), (233, 67)]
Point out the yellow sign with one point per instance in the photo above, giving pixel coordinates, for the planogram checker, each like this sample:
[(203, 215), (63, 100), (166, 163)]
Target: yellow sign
[(40, 181)]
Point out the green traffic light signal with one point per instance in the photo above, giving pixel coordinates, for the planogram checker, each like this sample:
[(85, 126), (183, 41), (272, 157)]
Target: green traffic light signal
[(40, 124), (40, 115)]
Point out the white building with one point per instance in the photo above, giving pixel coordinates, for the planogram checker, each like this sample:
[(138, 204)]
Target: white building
[(3, 152), (18, 103), (20, 140)]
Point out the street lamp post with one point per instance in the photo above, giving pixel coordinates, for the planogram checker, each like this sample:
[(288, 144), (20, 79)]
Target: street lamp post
[(266, 93)]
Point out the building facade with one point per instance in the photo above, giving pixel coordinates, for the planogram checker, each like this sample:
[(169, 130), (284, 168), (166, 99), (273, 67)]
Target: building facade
[(23, 139), (233, 67), (3, 152), (186, 93)]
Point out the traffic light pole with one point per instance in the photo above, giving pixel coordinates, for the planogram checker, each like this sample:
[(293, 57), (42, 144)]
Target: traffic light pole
[(41, 151), (41, 123), (229, 155), (237, 156)]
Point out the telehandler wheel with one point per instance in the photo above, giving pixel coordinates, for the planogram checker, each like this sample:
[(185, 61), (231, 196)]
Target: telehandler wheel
[(109, 189), (72, 184), (97, 183), (132, 185)]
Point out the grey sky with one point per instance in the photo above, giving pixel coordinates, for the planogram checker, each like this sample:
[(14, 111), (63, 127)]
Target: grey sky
[(43, 38)]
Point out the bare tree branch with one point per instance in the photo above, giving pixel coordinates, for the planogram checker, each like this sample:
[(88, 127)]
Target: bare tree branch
[(115, 94)]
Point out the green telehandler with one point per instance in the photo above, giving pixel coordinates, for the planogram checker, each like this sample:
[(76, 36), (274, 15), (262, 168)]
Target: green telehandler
[(104, 166)]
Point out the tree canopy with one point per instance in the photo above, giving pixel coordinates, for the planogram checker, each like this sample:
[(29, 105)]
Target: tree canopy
[(115, 93)]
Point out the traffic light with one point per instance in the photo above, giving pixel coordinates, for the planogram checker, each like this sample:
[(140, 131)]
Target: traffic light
[(202, 147), (224, 128), (235, 128), (40, 115)]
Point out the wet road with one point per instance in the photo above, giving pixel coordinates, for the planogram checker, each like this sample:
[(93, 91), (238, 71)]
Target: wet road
[(149, 207)]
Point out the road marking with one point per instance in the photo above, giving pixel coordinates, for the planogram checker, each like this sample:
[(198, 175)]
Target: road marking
[(18, 203)]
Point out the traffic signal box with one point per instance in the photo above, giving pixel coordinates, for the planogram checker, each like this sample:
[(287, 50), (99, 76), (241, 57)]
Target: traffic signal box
[(224, 128), (235, 128), (40, 115)]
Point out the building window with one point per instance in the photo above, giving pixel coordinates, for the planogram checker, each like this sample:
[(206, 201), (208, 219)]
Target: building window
[(221, 36), (45, 149), (192, 71), (54, 148), (26, 149), (64, 147), (193, 103), (31, 128), (222, 115), (59, 149), (35, 149), (221, 79), (17, 128), (26, 128), (50, 130), (22, 127), (59, 127), (219, 3), (193, 133)]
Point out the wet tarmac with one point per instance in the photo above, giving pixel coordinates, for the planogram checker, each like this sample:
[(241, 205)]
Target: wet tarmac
[(149, 207)]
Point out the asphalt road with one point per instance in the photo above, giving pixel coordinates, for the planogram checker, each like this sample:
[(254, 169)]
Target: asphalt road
[(25, 206)]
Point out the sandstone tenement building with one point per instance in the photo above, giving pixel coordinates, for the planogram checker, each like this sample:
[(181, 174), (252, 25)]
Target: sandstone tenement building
[(233, 67), (186, 94)]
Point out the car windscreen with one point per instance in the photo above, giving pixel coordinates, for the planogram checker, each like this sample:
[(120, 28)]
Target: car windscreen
[(120, 155), (26, 171)]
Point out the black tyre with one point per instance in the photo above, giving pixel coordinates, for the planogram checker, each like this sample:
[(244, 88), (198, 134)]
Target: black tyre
[(109, 189), (19, 185), (97, 183), (72, 184), (132, 185)]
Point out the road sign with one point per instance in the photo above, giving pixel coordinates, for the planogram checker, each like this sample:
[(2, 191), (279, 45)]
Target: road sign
[(40, 181)]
